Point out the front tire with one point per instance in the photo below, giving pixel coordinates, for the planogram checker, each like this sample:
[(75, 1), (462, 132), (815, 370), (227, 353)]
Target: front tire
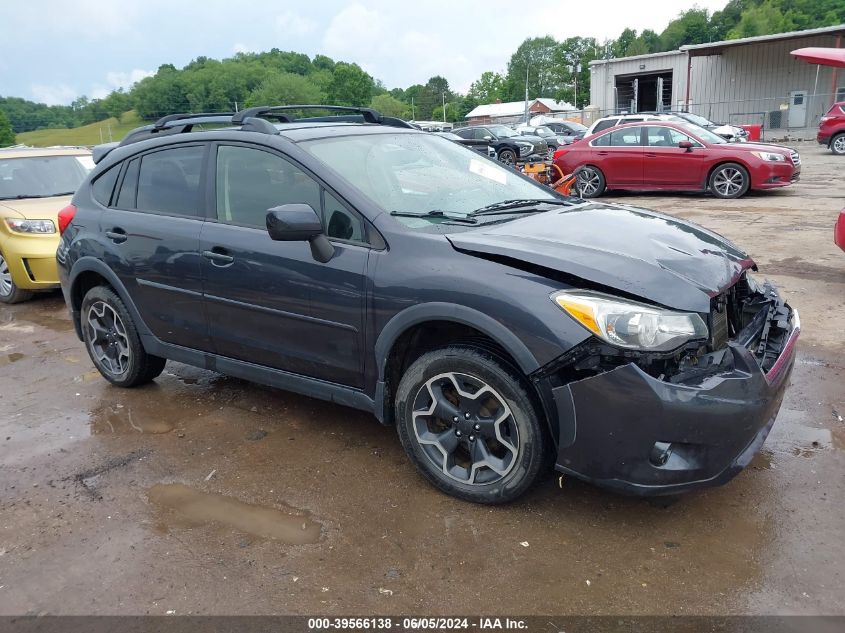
[(9, 291), (730, 180), (467, 422), (837, 144), (113, 342)]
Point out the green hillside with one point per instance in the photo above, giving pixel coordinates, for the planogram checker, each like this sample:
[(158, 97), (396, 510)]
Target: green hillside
[(84, 135)]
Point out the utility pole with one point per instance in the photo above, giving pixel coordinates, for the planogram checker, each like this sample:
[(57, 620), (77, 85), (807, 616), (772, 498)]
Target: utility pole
[(236, 106), (413, 116), (527, 66), (443, 94)]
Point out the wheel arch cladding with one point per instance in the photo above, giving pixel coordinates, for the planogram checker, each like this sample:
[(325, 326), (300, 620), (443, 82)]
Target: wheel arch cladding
[(88, 272), (446, 313)]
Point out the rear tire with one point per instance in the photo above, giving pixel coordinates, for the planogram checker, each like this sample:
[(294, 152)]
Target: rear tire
[(9, 291), (508, 157), (591, 182), (729, 181), (467, 422), (837, 144), (112, 340)]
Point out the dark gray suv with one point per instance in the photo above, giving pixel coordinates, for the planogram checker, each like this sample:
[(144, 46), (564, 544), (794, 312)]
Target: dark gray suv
[(496, 324)]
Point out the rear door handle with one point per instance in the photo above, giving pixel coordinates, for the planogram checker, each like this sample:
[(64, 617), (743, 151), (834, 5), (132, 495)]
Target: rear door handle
[(117, 235), (217, 258)]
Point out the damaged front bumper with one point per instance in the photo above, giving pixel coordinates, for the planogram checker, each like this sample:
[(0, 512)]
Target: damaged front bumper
[(627, 430)]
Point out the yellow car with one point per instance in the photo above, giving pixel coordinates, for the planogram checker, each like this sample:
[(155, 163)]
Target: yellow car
[(35, 184)]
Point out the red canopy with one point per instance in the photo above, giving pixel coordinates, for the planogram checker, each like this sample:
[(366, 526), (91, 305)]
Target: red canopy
[(822, 56)]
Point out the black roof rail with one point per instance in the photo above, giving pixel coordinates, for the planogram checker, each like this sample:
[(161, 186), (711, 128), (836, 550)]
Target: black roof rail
[(165, 120), (370, 115)]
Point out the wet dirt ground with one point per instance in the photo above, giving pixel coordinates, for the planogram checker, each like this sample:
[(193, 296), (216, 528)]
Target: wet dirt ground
[(208, 495)]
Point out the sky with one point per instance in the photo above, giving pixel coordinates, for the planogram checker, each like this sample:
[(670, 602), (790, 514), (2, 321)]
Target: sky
[(53, 51)]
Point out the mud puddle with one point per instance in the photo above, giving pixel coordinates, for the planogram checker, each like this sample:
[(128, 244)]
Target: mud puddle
[(193, 507)]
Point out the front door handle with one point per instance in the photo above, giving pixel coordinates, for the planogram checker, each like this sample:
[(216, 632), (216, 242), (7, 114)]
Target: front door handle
[(217, 258), (117, 235)]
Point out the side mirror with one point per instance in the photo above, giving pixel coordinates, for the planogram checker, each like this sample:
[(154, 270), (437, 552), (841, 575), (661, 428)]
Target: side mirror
[(488, 138), (687, 145), (299, 223)]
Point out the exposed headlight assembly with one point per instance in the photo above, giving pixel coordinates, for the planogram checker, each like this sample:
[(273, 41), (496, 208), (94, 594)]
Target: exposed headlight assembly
[(30, 226), (770, 157), (630, 324)]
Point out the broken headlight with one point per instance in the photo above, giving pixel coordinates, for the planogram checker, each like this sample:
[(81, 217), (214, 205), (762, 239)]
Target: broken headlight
[(630, 324)]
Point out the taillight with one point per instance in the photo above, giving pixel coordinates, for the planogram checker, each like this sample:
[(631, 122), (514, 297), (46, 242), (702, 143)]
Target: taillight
[(560, 151), (66, 217)]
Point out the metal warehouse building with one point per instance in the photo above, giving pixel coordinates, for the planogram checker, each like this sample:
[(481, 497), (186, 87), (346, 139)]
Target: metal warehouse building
[(747, 81)]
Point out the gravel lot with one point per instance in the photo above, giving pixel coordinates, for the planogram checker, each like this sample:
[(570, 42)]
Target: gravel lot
[(206, 494)]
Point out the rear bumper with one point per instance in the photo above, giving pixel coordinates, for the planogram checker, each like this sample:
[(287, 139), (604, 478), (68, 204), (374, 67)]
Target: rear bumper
[(32, 260), (639, 435), (823, 138)]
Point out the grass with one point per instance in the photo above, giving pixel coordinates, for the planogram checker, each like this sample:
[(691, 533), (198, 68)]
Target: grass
[(83, 135)]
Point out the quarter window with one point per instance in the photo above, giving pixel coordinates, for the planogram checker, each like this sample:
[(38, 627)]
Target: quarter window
[(340, 223), (103, 186), (603, 125), (169, 181)]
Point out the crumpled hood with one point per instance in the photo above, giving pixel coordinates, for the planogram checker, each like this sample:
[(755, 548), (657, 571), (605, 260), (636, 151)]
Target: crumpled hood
[(659, 258)]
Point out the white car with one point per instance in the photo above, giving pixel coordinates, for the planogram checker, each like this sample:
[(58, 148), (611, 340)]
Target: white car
[(618, 119)]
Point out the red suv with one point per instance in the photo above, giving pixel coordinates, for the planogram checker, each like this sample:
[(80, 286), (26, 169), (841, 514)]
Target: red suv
[(832, 129)]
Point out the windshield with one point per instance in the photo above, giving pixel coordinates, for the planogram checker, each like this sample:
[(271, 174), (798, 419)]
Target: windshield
[(705, 135), (694, 118), (42, 176), (502, 131), (420, 173)]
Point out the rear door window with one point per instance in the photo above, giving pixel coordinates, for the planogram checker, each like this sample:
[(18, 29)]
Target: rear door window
[(128, 186), (626, 137), (169, 181)]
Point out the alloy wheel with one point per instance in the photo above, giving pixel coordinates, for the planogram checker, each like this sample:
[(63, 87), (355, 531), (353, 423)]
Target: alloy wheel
[(588, 182), (839, 144), (507, 158), (107, 338), (5, 278), (465, 428), (728, 181)]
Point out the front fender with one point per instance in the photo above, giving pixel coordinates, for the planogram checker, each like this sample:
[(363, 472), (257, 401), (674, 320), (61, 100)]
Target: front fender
[(441, 311)]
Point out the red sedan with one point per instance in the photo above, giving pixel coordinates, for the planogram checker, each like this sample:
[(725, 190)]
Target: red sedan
[(832, 129), (839, 231), (675, 156)]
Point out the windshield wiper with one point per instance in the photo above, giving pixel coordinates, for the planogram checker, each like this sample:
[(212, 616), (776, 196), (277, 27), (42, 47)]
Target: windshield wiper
[(26, 196), (436, 213), (524, 205)]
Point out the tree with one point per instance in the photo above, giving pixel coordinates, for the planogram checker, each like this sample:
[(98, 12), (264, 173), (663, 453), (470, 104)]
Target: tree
[(7, 137), (623, 43), (453, 113), (350, 85), (284, 89), (534, 57), (391, 106), (488, 88), (691, 27)]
